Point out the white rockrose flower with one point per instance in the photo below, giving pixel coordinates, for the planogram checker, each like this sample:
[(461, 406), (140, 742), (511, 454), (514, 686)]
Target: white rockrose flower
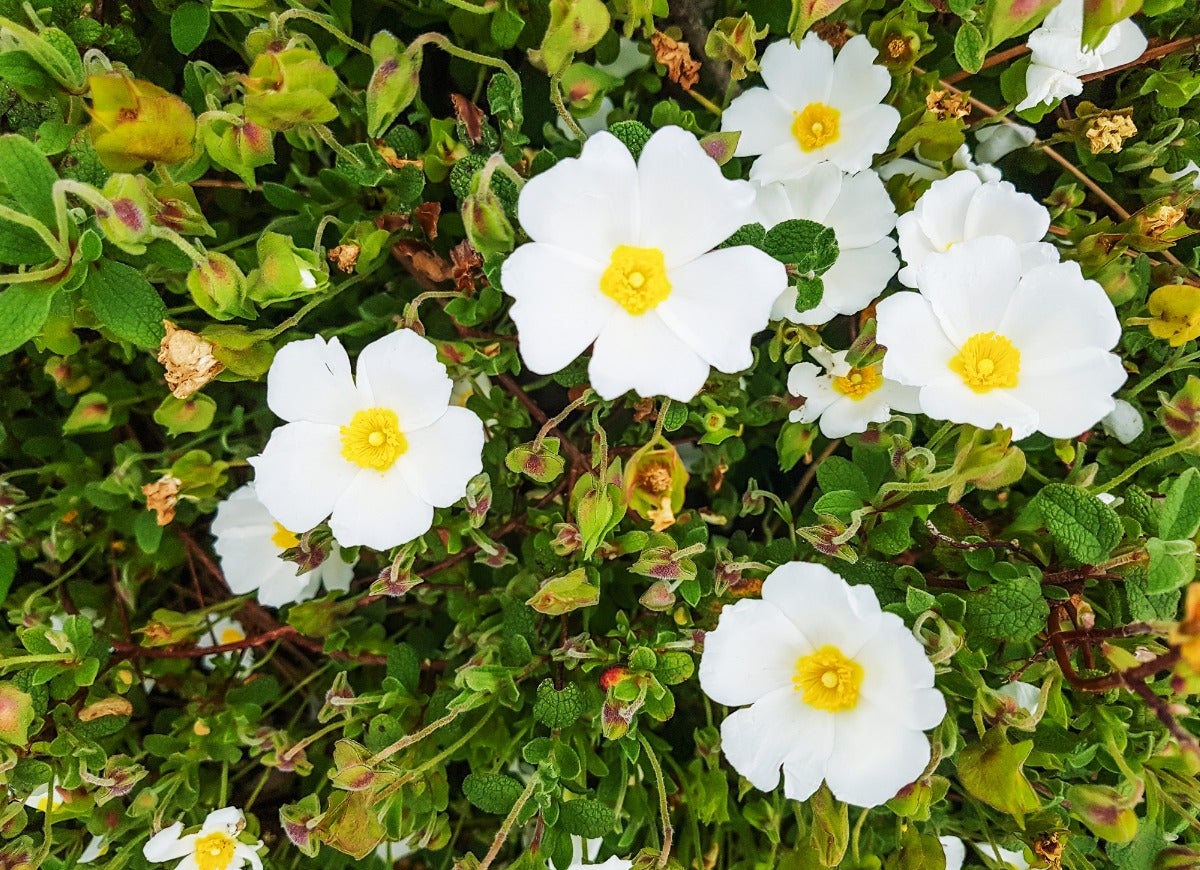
[(377, 453), (583, 856), (990, 343), (813, 109), (955, 851), (846, 399), (1025, 695), (859, 211), (223, 631), (996, 140), (97, 847), (1192, 167), (214, 847), (964, 207), (622, 255), (836, 689), (250, 544), (1124, 422), (932, 170), (47, 797), (1058, 57)]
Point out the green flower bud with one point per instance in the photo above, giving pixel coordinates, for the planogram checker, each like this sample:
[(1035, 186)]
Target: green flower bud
[(395, 82), (902, 40), (128, 225), (135, 122), (284, 271), (575, 25), (1104, 810), (240, 149), (584, 87), (732, 40), (289, 87), (488, 228), (219, 288)]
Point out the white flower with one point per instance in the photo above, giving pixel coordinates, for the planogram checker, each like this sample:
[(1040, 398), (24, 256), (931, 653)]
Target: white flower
[(97, 847), (859, 211), (596, 122), (390, 852), (990, 344), (838, 690), (1007, 858), (814, 109), (1025, 695), (583, 854), (846, 399), (1191, 167), (222, 631), (962, 207), (1058, 57), (379, 452), (996, 140), (214, 847), (629, 59), (622, 255), (250, 543), (1124, 422), (44, 796), (955, 851), (932, 169)]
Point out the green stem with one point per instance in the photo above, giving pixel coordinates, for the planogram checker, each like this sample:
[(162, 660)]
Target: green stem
[(556, 97), (56, 246), (410, 739), (34, 659), (856, 835), (667, 831), (321, 22), (1189, 443), (31, 277), (1171, 365), (583, 399), (485, 60), (706, 103), (193, 253), (507, 826), (310, 305), (326, 136)]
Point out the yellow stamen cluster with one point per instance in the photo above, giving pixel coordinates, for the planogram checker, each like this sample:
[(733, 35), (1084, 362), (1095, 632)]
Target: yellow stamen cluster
[(816, 126), (986, 362), (283, 539), (828, 680), (373, 439), (857, 384), (636, 279), (214, 851)]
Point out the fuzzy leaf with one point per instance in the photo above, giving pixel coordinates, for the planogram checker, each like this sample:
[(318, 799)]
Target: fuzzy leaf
[(492, 792), (555, 708), (1086, 528), (1010, 610)]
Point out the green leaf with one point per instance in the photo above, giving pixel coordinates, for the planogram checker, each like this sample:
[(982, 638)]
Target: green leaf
[(404, 666), (492, 792), (8, 569), (747, 234), (23, 310), (675, 417), (587, 818), (1172, 565), (805, 245), (809, 293), (180, 416), (633, 135), (558, 708), (969, 47), (1180, 517), (21, 246), (28, 177), (560, 595), (1144, 607), (840, 503), (189, 26), (1011, 610), (837, 472), (1086, 528), (125, 302), (991, 771), (674, 667)]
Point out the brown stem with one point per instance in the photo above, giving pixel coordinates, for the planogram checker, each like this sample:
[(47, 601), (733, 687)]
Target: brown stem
[(1153, 52), (991, 61), (510, 385)]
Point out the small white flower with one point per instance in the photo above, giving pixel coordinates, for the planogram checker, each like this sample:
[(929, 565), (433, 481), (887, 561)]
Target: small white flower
[(963, 207), (214, 847), (378, 453), (1058, 57), (390, 852), (1124, 422), (44, 796), (837, 689), (859, 211), (584, 852), (1025, 695), (97, 847), (250, 543), (814, 109), (996, 140), (846, 399), (222, 631), (622, 255), (955, 851), (991, 344)]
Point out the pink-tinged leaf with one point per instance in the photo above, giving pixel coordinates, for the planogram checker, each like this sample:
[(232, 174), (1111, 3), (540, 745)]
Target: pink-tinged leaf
[(1005, 19), (1100, 15), (805, 13)]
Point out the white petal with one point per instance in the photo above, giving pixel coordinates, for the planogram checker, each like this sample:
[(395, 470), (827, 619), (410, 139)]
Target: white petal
[(401, 372), (810, 197), (762, 119), (1007, 857), (167, 844), (858, 276), (687, 205), (310, 381), (335, 572), (1128, 44), (783, 162), (559, 309), (720, 300), (857, 79), (1027, 696), (955, 851), (586, 204), (971, 285), (805, 766), (874, 756), (898, 677), (1072, 392), (824, 607), (1055, 309), (301, 474), (642, 353), (918, 350), (848, 417), (799, 75), (227, 820), (248, 854), (998, 209), (997, 140), (941, 212), (379, 511), (757, 739), (751, 653), (814, 385), (951, 399), (863, 212), (443, 456), (1124, 422), (864, 133)]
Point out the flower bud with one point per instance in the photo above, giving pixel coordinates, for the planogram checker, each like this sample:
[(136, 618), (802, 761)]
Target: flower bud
[(1180, 415), (488, 228), (1104, 810), (395, 82), (575, 25), (135, 122), (289, 87), (284, 271), (658, 597), (128, 225), (732, 40), (584, 87), (239, 148), (654, 483), (219, 288)]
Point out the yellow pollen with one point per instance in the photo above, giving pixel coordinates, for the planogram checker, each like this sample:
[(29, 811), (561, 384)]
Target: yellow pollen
[(828, 680), (214, 851), (373, 439), (987, 361), (636, 279), (859, 383), (283, 539), (816, 126), (232, 635)]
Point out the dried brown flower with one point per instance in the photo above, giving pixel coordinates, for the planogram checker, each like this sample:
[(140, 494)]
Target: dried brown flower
[(677, 58), (947, 104), (1109, 132), (345, 257), (188, 359), (162, 496)]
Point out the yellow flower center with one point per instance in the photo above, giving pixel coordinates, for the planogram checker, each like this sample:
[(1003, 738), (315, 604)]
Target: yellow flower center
[(857, 384), (636, 279), (283, 539), (828, 679), (816, 126), (214, 851), (987, 362), (231, 635), (373, 439)]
